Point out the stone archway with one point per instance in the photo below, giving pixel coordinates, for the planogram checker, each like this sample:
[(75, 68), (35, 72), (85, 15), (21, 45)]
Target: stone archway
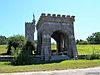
[(61, 39), (60, 28)]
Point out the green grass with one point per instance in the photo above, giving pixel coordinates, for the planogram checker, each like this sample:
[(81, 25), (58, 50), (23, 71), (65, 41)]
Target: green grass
[(88, 49), (3, 49), (82, 49), (5, 67)]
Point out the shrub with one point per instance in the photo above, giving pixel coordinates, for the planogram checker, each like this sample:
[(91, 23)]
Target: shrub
[(94, 56), (87, 57), (24, 56)]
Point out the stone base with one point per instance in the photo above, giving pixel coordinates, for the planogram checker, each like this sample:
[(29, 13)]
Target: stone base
[(59, 57)]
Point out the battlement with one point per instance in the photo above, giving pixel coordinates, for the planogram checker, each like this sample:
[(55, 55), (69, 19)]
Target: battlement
[(43, 15), (33, 22), (55, 18), (28, 22)]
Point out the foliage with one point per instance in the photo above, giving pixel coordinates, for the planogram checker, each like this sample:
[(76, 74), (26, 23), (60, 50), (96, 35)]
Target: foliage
[(3, 40), (84, 57), (15, 41), (17, 38), (24, 57), (81, 42), (89, 57), (94, 56), (94, 38)]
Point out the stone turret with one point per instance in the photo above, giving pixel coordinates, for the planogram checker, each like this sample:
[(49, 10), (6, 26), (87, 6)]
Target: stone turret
[(30, 29)]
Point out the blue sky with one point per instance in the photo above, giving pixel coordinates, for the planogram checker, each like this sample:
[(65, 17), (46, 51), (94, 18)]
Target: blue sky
[(14, 14)]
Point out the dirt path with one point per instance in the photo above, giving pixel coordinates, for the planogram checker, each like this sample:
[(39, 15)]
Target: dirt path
[(87, 71)]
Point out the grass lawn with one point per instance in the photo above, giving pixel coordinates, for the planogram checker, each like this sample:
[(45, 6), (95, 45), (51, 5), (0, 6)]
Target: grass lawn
[(82, 49), (5, 67), (85, 49), (88, 49), (3, 49)]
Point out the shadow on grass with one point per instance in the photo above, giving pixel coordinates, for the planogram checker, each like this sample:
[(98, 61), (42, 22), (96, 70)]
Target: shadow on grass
[(38, 63), (47, 62)]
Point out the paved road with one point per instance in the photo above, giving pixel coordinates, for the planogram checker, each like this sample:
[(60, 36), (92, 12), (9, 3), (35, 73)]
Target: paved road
[(88, 71)]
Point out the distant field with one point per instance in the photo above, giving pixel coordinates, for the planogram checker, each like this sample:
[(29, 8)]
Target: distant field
[(3, 49), (82, 49), (85, 49), (88, 49)]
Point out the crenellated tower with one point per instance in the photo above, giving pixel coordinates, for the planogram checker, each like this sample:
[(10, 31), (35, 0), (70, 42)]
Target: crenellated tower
[(30, 29)]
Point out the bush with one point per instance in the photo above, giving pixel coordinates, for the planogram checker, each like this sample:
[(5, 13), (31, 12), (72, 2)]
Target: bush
[(94, 56), (87, 57), (24, 56)]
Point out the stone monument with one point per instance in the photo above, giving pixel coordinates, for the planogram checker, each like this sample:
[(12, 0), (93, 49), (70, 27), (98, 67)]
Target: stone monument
[(58, 27)]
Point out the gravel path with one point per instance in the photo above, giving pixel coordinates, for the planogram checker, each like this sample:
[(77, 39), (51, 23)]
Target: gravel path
[(87, 71)]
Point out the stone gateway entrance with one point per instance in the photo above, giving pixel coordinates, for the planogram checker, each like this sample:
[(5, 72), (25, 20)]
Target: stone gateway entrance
[(61, 29)]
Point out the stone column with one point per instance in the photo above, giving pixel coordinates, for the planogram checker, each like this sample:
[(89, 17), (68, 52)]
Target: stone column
[(66, 46), (59, 44), (45, 51), (39, 43), (72, 47)]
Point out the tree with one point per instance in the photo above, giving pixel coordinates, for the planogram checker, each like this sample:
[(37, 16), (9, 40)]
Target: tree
[(94, 38), (81, 42), (3, 40), (15, 41)]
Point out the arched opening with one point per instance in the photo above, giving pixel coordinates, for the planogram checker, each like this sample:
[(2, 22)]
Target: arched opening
[(60, 42), (53, 46)]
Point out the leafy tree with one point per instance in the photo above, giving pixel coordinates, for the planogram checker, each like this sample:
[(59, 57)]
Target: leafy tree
[(81, 42), (94, 38), (15, 41), (3, 40)]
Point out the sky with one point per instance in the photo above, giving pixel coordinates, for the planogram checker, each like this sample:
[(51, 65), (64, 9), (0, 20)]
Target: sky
[(14, 14)]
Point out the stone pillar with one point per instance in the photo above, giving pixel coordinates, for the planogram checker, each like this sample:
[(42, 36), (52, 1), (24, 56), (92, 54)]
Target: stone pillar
[(58, 45), (72, 47), (45, 51), (39, 38), (62, 43)]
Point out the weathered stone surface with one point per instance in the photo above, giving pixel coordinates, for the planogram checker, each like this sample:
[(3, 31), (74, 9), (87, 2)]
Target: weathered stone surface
[(58, 27), (29, 30), (61, 29)]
